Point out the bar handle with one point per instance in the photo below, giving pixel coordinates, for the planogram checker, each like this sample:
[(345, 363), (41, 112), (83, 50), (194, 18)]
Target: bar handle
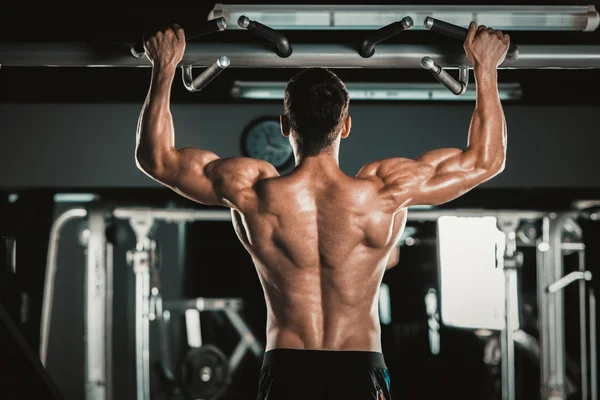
[(214, 25), (460, 33), (367, 46), (284, 49), (210, 73), (568, 279), (457, 87)]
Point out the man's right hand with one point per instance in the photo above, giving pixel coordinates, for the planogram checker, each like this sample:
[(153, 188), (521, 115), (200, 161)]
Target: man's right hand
[(485, 47)]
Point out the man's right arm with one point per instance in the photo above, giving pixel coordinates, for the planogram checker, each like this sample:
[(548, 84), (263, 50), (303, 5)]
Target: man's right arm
[(442, 175)]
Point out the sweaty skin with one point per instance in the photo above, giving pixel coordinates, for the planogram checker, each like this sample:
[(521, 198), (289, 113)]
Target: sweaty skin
[(321, 240)]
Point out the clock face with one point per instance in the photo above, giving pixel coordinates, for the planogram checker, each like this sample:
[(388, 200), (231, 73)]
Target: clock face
[(262, 139)]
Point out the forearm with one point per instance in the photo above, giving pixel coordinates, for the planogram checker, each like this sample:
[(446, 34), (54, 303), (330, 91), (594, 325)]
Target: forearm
[(155, 132), (487, 133)]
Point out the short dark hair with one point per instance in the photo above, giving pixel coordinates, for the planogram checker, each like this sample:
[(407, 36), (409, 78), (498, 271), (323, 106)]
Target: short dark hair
[(316, 106)]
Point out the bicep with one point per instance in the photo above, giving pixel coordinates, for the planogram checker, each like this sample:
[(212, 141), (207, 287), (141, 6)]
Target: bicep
[(204, 177)]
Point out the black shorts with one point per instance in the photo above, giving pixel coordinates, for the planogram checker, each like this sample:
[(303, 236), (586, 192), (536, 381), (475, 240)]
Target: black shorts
[(288, 374)]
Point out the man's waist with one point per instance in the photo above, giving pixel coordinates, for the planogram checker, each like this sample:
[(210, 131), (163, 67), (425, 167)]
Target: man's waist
[(311, 358)]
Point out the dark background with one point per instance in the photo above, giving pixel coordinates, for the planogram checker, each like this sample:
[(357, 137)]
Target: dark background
[(73, 130)]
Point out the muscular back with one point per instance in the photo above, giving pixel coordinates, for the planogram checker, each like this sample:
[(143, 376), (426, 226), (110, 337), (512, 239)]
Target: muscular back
[(320, 246)]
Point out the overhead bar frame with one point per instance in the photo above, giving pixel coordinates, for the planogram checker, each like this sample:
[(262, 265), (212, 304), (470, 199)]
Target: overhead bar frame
[(52, 54)]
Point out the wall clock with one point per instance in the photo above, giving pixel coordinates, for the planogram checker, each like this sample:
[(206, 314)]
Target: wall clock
[(262, 139)]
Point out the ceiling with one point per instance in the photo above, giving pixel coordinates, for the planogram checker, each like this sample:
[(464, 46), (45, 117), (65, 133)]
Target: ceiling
[(95, 22)]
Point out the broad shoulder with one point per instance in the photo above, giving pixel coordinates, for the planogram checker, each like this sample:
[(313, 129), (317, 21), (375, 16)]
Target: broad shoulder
[(385, 168), (245, 168), (239, 179)]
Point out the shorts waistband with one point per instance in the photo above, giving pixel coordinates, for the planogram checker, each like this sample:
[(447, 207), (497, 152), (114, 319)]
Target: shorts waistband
[(324, 358)]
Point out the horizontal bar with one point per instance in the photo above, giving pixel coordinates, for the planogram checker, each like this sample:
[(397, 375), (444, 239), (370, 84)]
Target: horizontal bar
[(204, 304), (173, 215), (182, 215), (572, 246), (338, 16), (274, 90), (41, 54)]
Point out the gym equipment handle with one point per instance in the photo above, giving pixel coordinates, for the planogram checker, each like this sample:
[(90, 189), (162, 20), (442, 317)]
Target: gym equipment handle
[(214, 25), (456, 87), (460, 33), (367, 46), (210, 73), (284, 49)]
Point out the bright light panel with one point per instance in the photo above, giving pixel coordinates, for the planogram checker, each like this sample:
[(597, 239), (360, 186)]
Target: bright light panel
[(385, 309), (377, 91), (301, 17), (471, 254)]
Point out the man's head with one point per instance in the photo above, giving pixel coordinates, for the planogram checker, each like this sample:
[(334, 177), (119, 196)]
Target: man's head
[(315, 111)]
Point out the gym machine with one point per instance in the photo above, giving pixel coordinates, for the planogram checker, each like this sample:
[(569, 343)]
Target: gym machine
[(214, 368), (206, 371)]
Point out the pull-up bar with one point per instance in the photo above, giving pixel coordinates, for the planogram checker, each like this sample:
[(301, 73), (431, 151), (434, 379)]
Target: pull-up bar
[(402, 56)]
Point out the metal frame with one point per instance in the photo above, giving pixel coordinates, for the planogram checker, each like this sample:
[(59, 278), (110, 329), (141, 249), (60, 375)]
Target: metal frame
[(256, 55), (51, 269), (230, 307), (97, 300), (550, 252), (323, 16), (147, 298), (511, 262), (551, 281), (98, 309), (142, 259)]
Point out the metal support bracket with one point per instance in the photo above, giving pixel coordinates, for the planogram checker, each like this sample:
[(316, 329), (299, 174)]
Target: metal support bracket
[(196, 84), (140, 260)]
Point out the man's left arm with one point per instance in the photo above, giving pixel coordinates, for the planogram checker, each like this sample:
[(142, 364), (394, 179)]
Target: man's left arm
[(197, 174)]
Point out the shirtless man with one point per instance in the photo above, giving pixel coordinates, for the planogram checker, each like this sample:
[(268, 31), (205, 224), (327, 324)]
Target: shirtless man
[(321, 240)]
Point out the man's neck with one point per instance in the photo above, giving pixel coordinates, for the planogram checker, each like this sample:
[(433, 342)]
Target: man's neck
[(323, 162)]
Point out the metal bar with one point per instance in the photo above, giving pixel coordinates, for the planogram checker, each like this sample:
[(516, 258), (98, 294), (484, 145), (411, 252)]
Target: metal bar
[(593, 347), (339, 16), (182, 215), (162, 320), (212, 26), (39, 54), (236, 357), (583, 330), (556, 384), (204, 304), (367, 46), (206, 77), (543, 268), (460, 33), (568, 279), (51, 268), (573, 246), (142, 333), (282, 45), (507, 341), (173, 215), (245, 332), (509, 265), (443, 76), (95, 309), (108, 330)]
